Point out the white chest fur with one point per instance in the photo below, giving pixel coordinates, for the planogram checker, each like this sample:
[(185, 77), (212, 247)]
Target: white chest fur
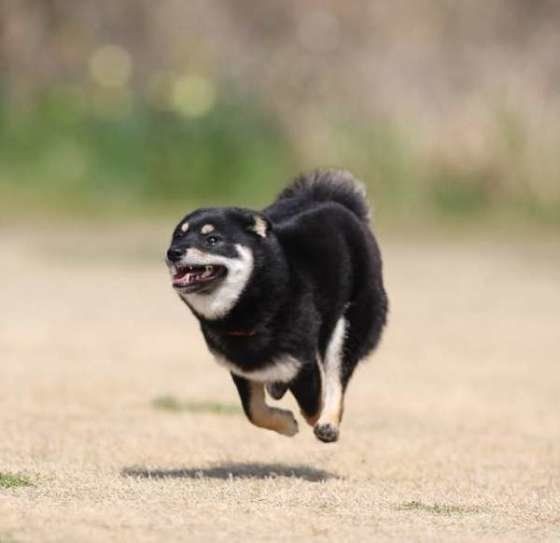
[(280, 370)]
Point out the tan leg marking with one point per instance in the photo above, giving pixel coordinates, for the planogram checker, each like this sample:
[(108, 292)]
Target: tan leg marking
[(271, 418), (312, 421)]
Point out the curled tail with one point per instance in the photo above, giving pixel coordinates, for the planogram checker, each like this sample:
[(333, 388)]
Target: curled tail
[(329, 186)]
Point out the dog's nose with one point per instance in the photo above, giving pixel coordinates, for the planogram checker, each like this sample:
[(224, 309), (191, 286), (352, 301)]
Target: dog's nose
[(173, 255)]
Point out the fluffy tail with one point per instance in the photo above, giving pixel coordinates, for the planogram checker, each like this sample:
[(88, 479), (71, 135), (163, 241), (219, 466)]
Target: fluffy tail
[(330, 186)]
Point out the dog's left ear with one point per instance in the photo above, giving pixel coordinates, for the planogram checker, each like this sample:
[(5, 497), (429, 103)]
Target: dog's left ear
[(260, 225), (257, 223)]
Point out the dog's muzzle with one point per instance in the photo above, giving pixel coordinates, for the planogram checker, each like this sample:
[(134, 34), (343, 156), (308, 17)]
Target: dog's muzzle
[(193, 278)]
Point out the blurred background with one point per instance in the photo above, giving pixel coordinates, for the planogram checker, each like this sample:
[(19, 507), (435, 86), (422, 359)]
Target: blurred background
[(449, 111), (119, 116)]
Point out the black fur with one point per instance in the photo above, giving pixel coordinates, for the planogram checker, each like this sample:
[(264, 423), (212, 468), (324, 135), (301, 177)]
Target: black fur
[(318, 262)]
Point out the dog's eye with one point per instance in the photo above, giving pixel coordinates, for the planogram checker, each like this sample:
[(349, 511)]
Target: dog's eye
[(213, 240)]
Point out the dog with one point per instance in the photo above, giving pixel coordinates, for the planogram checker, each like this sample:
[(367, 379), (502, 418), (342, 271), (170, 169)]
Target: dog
[(288, 298)]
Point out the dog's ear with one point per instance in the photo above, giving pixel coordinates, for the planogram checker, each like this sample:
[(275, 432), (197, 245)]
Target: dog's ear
[(256, 223), (261, 226)]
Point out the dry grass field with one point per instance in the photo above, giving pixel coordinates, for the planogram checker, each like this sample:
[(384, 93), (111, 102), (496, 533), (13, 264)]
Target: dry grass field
[(116, 425)]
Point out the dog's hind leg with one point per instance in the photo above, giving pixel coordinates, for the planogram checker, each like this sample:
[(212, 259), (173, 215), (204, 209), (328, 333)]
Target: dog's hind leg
[(259, 413), (277, 390), (354, 337), (326, 428), (306, 388)]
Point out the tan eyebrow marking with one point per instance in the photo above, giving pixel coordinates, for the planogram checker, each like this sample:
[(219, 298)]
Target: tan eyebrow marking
[(184, 226), (207, 228)]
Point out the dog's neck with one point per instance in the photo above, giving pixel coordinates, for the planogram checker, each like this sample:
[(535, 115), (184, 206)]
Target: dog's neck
[(264, 296)]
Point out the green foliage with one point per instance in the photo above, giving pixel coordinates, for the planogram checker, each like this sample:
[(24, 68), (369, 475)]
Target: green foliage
[(381, 154), (79, 150), (65, 149), (460, 193)]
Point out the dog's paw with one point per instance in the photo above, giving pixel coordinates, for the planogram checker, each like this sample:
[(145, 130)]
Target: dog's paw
[(289, 426), (276, 390), (326, 432)]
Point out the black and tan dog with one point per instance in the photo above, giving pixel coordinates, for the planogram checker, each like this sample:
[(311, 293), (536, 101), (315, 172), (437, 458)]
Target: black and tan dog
[(289, 298)]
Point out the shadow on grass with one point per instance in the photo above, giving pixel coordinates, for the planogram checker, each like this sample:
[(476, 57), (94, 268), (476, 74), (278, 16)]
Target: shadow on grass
[(233, 471)]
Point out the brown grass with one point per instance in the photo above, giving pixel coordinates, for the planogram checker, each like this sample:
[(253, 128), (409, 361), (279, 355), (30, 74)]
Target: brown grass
[(451, 431)]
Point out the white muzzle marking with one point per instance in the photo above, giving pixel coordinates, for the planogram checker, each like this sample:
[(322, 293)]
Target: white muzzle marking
[(220, 301)]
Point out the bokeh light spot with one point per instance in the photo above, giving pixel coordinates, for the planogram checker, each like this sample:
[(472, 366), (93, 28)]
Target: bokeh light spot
[(193, 95), (110, 66)]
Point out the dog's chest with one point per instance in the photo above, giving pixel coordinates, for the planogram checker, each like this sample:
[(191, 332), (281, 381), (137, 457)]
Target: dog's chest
[(281, 369)]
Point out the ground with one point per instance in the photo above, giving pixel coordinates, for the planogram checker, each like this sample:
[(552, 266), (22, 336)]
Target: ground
[(128, 431)]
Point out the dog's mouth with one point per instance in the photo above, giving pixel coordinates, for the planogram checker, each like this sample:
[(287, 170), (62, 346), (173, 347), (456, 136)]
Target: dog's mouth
[(196, 278)]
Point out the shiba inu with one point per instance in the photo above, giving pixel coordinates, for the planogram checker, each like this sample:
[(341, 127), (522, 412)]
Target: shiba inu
[(288, 298)]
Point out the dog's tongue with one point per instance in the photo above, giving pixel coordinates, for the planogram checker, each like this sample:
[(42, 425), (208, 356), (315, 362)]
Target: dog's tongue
[(179, 274), (192, 274)]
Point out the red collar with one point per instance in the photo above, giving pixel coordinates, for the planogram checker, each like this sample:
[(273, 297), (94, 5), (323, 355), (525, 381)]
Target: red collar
[(241, 333)]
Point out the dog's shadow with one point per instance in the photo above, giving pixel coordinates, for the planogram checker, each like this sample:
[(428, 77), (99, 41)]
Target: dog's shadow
[(232, 471)]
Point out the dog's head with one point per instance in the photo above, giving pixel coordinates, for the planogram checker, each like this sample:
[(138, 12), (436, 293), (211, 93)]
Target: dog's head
[(212, 256)]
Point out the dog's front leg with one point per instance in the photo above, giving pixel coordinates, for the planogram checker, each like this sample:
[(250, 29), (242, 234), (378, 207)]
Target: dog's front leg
[(259, 413)]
